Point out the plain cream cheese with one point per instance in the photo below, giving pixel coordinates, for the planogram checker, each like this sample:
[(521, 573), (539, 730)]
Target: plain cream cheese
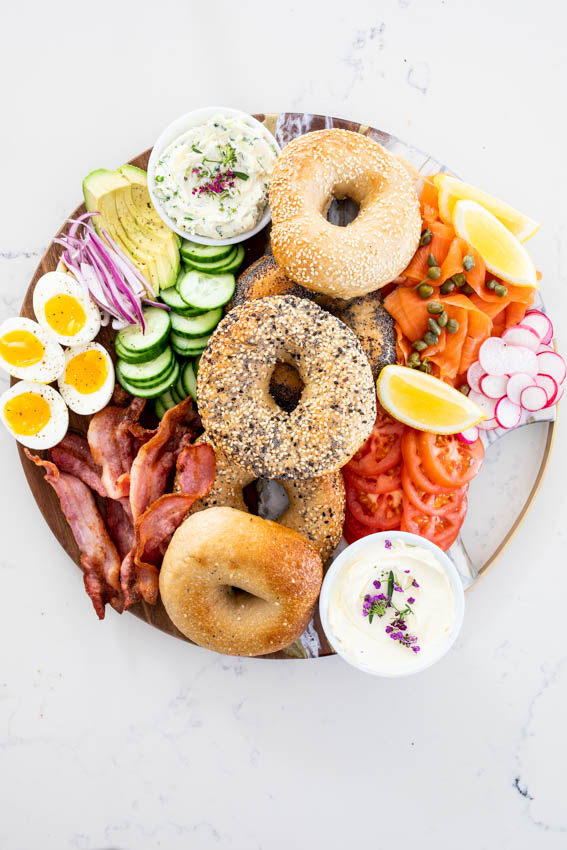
[(214, 179), (423, 586)]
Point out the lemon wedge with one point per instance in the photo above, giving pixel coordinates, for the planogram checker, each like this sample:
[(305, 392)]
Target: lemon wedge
[(503, 255), (452, 190), (425, 402)]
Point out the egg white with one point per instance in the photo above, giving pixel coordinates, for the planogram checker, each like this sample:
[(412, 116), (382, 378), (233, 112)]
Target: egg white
[(86, 403), (60, 283), (51, 365), (58, 424)]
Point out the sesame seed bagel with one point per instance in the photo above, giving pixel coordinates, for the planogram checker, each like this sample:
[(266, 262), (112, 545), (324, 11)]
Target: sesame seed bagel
[(369, 252), (252, 597), (337, 408), (316, 505)]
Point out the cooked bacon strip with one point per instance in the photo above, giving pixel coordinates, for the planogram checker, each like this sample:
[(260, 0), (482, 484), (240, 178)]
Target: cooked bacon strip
[(112, 445), (99, 558), (139, 575), (73, 455), (120, 525), (156, 458)]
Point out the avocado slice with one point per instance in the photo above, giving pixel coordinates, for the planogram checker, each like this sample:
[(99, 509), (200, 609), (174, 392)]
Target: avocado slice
[(124, 208)]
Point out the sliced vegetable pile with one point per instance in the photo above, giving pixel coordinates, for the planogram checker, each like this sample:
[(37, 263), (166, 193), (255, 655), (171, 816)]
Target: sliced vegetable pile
[(409, 480), (160, 359)]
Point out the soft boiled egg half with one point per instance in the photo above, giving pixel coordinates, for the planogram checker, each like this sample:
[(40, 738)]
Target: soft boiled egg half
[(62, 307), (35, 414), (27, 351), (88, 380)]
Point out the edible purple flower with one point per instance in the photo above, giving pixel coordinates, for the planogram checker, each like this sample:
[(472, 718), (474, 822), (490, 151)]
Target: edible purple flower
[(411, 600), (388, 544)]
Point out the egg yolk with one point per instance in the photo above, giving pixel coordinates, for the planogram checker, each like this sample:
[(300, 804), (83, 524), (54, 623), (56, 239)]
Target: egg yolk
[(26, 414), (21, 348), (65, 315), (87, 372)]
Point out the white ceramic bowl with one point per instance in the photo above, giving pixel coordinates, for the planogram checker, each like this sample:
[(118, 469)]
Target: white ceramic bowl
[(177, 128), (368, 543)]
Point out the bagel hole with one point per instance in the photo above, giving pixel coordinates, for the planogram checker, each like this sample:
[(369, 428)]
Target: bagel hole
[(286, 386), (342, 211), (266, 498), (237, 594)]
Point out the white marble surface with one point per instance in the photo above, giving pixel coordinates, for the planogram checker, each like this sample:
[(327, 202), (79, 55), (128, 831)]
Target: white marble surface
[(115, 736)]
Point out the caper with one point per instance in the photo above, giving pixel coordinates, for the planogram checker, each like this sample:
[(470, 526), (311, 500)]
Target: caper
[(447, 287), (460, 279), (464, 389), (424, 290), (491, 284), (425, 367), (414, 360), (430, 338), (467, 289), (442, 319), (419, 345), (434, 307), (468, 262), (452, 326), (501, 291), (431, 261), (426, 237), (434, 273), (433, 326)]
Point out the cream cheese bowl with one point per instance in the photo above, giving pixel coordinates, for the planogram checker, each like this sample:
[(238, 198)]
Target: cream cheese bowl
[(176, 129), (368, 546)]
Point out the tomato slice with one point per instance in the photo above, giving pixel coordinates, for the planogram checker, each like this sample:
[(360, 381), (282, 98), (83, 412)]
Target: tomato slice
[(384, 483), (353, 529), (442, 530), (413, 463), (377, 511), (434, 504), (382, 449), (448, 461)]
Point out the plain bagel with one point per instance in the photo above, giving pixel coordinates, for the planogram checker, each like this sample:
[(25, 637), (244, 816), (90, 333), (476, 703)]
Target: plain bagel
[(337, 408), (251, 597), (372, 250), (316, 505)]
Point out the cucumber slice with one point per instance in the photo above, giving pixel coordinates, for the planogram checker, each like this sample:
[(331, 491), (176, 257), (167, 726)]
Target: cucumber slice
[(189, 345), (206, 291), (215, 265), (204, 253), (235, 264), (180, 386), (196, 326), (196, 362), (174, 394), (141, 346), (148, 392), (167, 400), (159, 408), (149, 373), (189, 380)]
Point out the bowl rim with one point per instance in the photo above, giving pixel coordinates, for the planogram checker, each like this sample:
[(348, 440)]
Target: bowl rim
[(414, 540), (176, 128)]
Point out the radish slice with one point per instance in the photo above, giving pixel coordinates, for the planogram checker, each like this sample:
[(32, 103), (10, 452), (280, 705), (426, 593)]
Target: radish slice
[(474, 374), (533, 398), (550, 387), (516, 384), (488, 424), (519, 335), (469, 435), (507, 413), (540, 323), (493, 386), (559, 395), (498, 358), (551, 363), (545, 347), (487, 405)]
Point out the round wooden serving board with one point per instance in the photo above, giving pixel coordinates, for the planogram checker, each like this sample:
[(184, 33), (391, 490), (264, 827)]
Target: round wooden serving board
[(285, 126)]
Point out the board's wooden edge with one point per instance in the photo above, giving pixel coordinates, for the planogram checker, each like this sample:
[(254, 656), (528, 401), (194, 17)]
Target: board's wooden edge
[(156, 615)]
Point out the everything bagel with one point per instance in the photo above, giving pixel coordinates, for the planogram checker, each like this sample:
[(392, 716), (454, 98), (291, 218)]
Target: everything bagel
[(372, 250), (252, 597), (337, 408)]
